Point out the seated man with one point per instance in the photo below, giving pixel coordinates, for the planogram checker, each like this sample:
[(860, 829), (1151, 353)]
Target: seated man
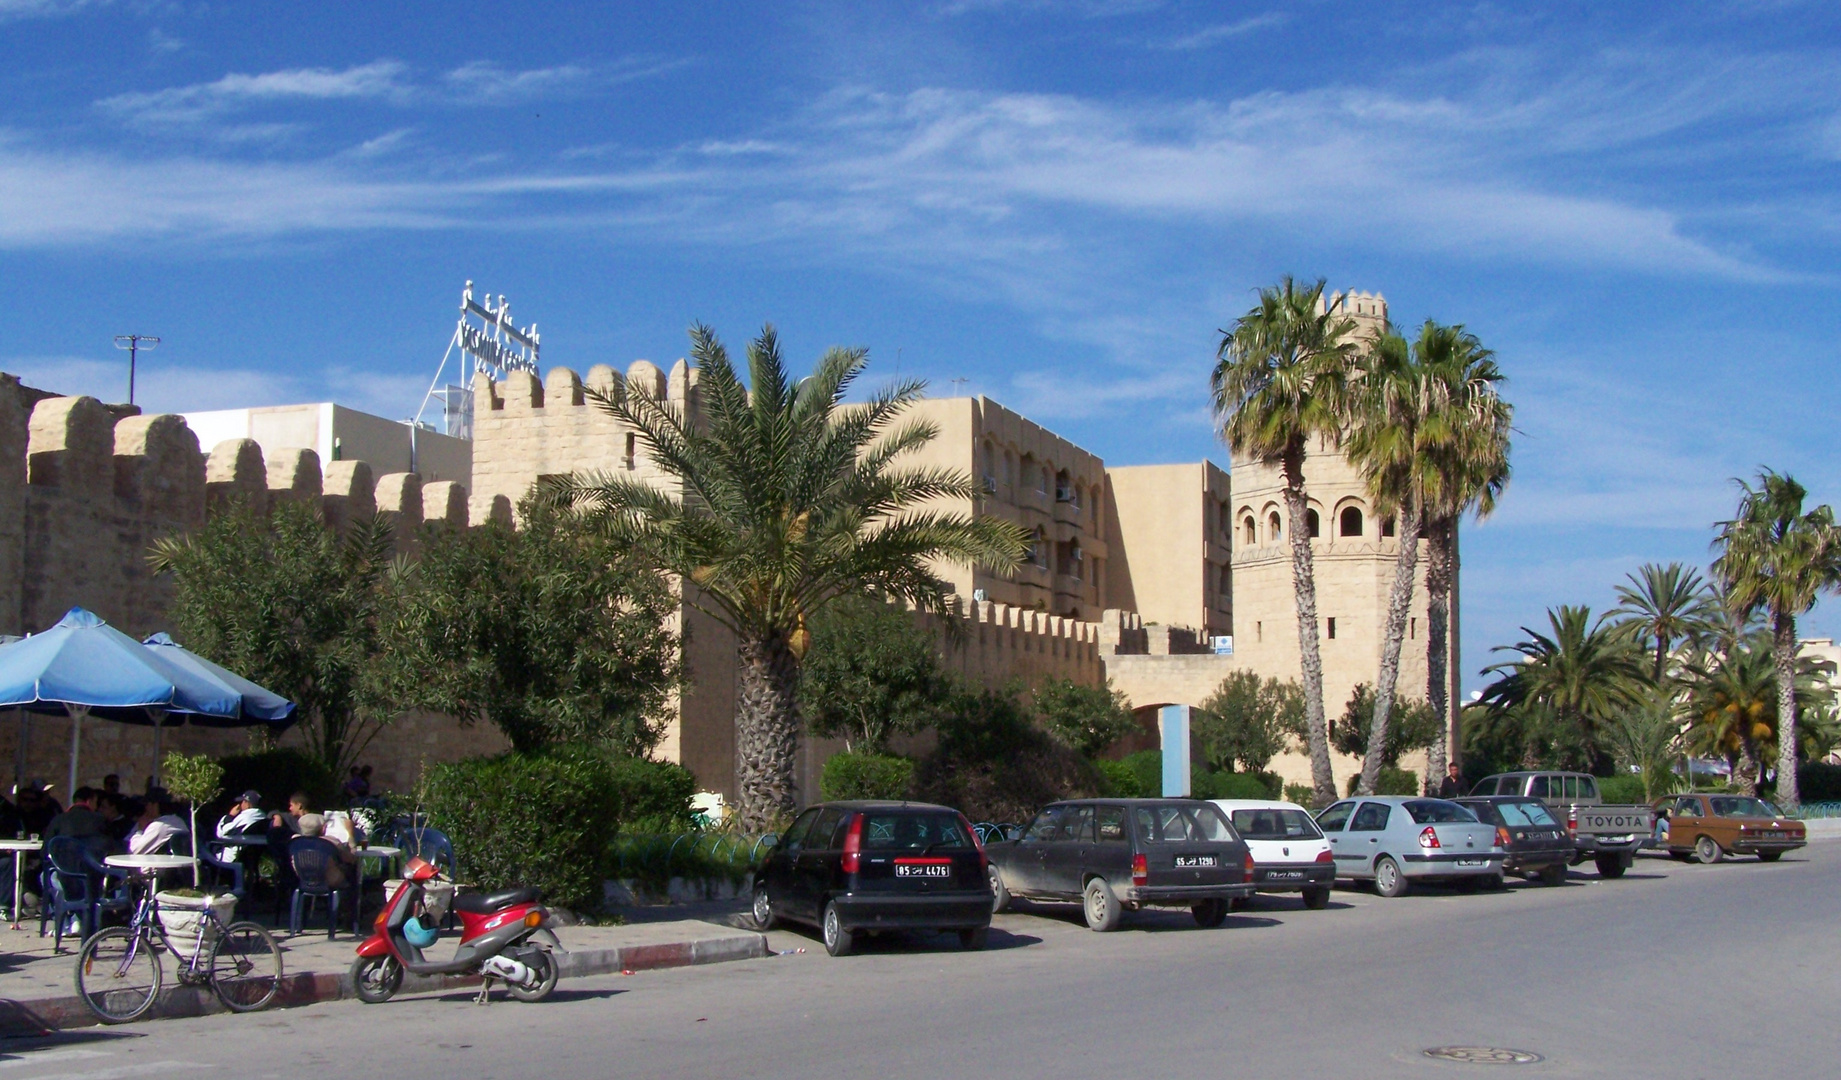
[(158, 823), (117, 821), (341, 873), (245, 816), (36, 808), (289, 822), (84, 822)]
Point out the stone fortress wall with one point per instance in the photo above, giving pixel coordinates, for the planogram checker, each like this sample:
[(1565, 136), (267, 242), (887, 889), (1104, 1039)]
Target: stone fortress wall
[(87, 488)]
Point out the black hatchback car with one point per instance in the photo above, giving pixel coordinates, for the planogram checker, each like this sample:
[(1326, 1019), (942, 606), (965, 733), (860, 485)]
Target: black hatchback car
[(849, 867), (1537, 842), (1118, 855)]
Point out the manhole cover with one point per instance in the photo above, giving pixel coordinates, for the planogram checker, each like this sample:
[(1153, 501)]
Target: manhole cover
[(1483, 1055)]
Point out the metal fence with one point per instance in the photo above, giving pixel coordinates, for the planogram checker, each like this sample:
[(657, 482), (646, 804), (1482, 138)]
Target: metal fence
[(1820, 810), (707, 855)]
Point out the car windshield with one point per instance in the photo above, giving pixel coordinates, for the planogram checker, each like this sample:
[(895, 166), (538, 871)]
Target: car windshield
[(1525, 813), (1181, 824), (1744, 807), (882, 832), (1275, 824), (1435, 811)]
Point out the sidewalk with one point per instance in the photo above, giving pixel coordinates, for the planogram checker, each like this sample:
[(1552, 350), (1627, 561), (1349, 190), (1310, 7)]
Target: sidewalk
[(38, 990)]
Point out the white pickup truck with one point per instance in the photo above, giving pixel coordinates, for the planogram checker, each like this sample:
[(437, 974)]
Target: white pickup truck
[(1608, 835)]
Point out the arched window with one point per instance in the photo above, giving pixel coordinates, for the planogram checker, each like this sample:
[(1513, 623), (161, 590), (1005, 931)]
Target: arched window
[(1038, 549), (1313, 524), (1250, 537), (1387, 526), (990, 468), (1273, 530), (1351, 522)]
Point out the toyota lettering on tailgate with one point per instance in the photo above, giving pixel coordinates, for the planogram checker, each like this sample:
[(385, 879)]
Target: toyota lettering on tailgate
[(923, 868)]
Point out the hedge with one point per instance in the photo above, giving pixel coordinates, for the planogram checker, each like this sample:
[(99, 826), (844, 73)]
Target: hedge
[(1146, 767), (1621, 790), (866, 776), (1120, 780), (1391, 782)]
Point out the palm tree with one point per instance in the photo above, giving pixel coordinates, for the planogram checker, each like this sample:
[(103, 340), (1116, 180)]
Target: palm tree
[(1776, 559), (1732, 702), (1281, 381), (782, 500), (1665, 605), (1391, 403), (1469, 447), (1584, 670)]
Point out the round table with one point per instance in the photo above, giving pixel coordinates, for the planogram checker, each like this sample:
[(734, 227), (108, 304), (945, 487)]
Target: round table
[(376, 852), (19, 849), (149, 862)]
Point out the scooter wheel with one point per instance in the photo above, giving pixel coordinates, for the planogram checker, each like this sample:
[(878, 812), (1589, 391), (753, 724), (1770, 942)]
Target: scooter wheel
[(544, 964), (375, 979)]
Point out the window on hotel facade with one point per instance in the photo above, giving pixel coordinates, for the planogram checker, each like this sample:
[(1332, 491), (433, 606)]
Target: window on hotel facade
[(1251, 536), (1272, 527), (1351, 524), (1312, 524)]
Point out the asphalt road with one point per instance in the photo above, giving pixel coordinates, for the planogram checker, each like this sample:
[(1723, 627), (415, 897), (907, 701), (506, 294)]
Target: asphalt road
[(1676, 971)]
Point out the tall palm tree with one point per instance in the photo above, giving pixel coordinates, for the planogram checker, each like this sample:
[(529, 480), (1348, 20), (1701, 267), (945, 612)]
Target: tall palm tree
[(1469, 471), (1732, 704), (1777, 559), (1391, 403), (783, 499), (1666, 605), (1281, 381), (1584, 670)]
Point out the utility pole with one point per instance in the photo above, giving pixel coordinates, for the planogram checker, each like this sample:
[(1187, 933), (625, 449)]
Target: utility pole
[(134, 343), (958, 385)]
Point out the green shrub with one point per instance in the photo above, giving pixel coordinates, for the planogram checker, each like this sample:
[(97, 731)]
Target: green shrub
[(277, 774), (1302, 794), (1120, 780), (1819, 782), (654, 795), (1233, 785), (1147, 766), (1622, 790), (865, 776), (530, 819), (993, 764), (1391, 782)]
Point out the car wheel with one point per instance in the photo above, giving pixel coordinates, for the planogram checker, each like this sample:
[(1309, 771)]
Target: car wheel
[(1707, 850), (1388, 880), (1317, 898), (1209, 913), (1610, 866), (1769, 856), (1101, 907), (973, 940), (1000, 896), (764, 917), (1554, 875), (837, 939)]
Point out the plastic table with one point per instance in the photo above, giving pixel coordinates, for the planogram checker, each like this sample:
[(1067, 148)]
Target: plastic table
[(379, 851), (19, 849)]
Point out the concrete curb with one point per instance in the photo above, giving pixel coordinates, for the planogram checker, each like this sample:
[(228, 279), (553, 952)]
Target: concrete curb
[(37, 1016), (1823, 828)]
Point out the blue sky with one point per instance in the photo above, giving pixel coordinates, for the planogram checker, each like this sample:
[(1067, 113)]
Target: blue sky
[(1636, 206)]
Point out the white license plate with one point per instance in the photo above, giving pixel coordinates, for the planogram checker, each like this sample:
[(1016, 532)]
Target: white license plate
[(1190, 862), (1284, 875), (1471, 862), (923, 871)]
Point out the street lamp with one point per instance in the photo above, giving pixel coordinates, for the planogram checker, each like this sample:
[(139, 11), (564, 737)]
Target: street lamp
[(134, 343)]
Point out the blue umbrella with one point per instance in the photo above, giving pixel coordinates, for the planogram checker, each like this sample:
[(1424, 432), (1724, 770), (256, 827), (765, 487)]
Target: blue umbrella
[(257, 704), (83, 666)]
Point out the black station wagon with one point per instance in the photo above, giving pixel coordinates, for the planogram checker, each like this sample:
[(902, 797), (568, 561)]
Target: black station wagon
[(1118, 855), (850, 867)]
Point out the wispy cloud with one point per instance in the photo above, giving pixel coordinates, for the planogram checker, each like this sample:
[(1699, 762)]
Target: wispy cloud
[(199, 101), (1214, 35), (170, 386), (42, 9)]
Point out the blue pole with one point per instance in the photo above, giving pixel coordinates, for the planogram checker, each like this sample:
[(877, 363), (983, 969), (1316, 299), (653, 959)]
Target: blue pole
[(1174, 721)]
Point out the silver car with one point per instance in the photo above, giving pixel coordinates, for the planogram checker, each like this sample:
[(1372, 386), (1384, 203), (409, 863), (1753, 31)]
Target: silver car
[(1392, 841)]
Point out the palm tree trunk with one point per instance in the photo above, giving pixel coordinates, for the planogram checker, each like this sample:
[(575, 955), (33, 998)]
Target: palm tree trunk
[(1747, 771), (1438, 651), (1304, 583), (766, 733), (1399, 599), (1783, 656)]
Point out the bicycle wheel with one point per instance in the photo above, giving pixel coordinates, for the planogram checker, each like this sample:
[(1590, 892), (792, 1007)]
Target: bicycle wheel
[(118, 976), (245, 967)]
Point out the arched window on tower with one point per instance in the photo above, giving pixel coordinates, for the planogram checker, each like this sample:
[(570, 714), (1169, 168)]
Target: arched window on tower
[(1387, 526), (1313, 524), (1351, 522), (1250, 535), (1273, 531)]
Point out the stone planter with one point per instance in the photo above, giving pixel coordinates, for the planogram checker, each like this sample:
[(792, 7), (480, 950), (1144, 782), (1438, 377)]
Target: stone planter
[(180, 916)]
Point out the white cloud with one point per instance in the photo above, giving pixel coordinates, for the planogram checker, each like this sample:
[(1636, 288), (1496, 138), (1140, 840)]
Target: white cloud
[(200, 101), (1214, 35), (163, 383), (40, 9), (483, 81)]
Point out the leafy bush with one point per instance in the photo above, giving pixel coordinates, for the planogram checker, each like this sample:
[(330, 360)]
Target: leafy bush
[(1247, 721), (1087, 718), (1233, 785), (1302, 794), (1391, 782), (1621, 789), (1147, 766), (1819, 782), (993, 764), (277, 774), (531, 819), (866, 776), (1120, 780), (654, 795), (715, 855), (871, 672), (1411, 726)]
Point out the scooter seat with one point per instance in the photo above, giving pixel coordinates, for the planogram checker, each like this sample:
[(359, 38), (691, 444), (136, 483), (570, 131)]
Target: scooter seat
[(487, 903)]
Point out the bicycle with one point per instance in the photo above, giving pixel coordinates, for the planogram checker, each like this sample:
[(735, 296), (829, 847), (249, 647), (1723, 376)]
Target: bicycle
[(119, 974)]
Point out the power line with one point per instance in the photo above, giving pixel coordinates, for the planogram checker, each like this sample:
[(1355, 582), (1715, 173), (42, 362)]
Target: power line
[(134, 343)]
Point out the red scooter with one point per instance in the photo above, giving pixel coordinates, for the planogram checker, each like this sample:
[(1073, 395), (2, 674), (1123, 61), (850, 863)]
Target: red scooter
[(503, 935)]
